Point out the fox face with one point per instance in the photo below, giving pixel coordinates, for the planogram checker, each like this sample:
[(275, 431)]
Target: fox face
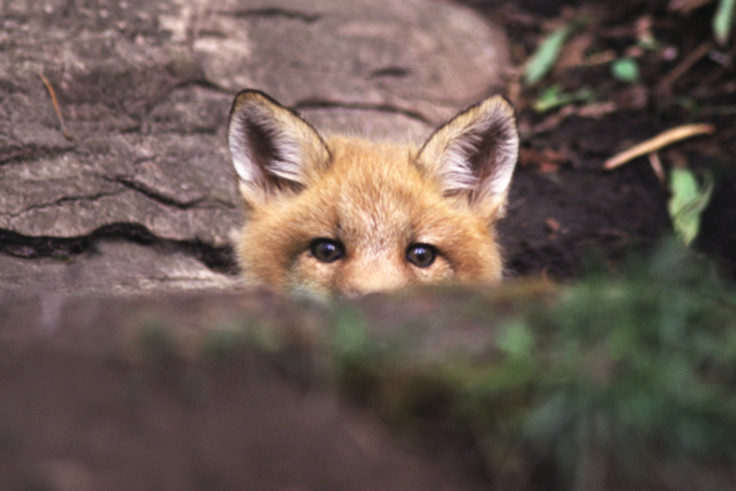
[(345, 215)]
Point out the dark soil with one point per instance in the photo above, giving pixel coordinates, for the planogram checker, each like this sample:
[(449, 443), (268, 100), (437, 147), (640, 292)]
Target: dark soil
[(564, 207)]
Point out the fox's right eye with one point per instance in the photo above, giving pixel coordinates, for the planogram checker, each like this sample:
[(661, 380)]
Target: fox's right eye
[(327, 250)]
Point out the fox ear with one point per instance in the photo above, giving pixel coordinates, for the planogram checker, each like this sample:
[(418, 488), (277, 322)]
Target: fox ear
[(273, 150), (474, 154)]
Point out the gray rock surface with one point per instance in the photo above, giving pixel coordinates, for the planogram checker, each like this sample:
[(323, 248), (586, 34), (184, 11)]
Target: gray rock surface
[(142, 195)]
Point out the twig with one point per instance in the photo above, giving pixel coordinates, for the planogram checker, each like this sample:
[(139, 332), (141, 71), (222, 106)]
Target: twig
[(656, 165), (686, 64), (660, 141), (56, 106)]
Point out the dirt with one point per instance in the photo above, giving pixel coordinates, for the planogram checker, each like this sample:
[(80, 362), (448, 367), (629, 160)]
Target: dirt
[(564, 207)]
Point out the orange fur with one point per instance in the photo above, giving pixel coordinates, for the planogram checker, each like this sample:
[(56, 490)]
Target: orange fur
[(375, 199)]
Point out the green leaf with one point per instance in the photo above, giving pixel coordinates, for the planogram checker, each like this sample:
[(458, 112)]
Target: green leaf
[(723, 20), (546, 55), (687, 202), (552, 97), (626, 70)]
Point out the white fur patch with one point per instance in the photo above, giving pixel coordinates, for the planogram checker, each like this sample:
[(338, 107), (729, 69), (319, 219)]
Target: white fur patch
[(240, 153), (285, 141)]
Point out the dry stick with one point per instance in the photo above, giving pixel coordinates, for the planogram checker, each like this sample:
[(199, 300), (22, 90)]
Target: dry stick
[(685, 65), (56, 106), (656, 164), (660, 141)]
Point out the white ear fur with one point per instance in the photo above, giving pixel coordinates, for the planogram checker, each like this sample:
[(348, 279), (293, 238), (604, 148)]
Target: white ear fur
[(271, 147), (475, 152)]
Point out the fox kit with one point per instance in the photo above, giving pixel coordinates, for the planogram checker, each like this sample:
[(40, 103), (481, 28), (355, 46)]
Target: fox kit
[(350, 216)]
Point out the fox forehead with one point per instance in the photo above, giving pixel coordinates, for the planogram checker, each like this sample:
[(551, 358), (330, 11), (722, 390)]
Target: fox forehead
[(374, 192)]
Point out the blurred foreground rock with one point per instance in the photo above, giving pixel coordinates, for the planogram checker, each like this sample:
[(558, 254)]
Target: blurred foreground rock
[(160, 392)]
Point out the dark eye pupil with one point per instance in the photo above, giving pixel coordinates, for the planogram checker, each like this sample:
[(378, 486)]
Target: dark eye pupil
[(326, 250), (421, 255)]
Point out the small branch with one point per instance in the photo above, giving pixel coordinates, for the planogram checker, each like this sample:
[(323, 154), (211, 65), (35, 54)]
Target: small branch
[(686, 64), (656, 165), (660, 141), (56, 106)]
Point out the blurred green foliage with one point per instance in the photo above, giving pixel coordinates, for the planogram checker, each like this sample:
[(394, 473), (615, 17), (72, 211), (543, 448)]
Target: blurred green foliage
[(630, 373), (627, 380), (614, 381)]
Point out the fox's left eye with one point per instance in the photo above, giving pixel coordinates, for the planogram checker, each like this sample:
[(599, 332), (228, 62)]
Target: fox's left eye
[(421, 255)]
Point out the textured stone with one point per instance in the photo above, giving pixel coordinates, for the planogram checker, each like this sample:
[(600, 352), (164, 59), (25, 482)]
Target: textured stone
[(145, 88)]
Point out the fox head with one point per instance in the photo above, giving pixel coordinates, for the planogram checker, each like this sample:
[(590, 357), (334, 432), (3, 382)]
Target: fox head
[(351, 216)]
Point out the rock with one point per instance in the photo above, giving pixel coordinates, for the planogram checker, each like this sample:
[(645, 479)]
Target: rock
[(133, 393), (145, 87)]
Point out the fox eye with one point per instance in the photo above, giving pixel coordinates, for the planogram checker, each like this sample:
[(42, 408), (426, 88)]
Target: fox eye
[(421, 255), (326, 250)]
